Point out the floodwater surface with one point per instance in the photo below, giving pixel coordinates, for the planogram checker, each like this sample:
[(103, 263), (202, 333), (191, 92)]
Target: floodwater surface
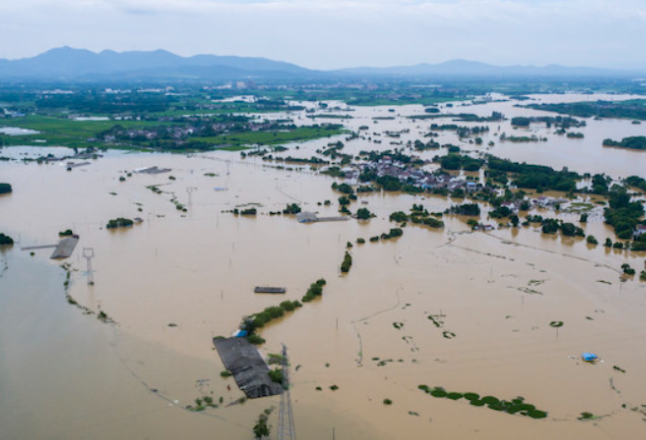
[(179, 278)]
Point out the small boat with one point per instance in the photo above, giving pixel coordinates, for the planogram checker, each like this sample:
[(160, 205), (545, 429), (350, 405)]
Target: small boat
[(589, 357)]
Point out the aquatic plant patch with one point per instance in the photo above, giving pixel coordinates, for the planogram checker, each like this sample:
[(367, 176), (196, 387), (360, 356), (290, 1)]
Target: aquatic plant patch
[(514, 406)]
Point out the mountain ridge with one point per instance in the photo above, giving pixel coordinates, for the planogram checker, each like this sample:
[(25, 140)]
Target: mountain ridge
[(66, 63)]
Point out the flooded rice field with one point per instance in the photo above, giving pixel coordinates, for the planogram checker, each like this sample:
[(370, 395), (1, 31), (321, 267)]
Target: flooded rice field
[(453, 308)]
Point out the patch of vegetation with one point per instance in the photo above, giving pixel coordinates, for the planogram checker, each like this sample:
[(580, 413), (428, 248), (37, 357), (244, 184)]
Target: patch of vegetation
[(364, 214), (276, 375), (292, 209), (347, 263), (515, 406), (448, 335), (636, 182), (261, 429), (632, 142), (393, 233), (226, 373), (248, 211), (627, 269), (104, 318), (538, 177), (587, 416), (418, 215), (259, 320), (5, 188), (388, 402), (315, 290), (66, 233), (5, 240), (472, 209), (630, 109), (202, 403), (454, 161), (622, 214), (255, 339), (119, 223)]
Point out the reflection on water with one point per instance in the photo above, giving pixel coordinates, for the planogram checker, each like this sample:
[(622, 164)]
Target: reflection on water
[(67, 374), (15, 131)]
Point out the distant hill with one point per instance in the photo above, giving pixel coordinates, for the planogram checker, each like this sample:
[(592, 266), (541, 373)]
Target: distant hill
[(68, 64), (475, 68)]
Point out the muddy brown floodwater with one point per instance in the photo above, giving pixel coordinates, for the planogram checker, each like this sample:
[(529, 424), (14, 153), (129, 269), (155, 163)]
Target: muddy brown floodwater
[(65, 374)]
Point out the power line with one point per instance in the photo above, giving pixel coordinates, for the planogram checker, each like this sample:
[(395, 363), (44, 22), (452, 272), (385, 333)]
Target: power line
[(286, 429)]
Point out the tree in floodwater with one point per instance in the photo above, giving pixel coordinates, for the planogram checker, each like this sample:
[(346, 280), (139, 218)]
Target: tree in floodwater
[(261, 429)]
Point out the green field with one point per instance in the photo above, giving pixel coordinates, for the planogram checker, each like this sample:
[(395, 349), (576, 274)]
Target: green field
[(62, 131), (271, 137)]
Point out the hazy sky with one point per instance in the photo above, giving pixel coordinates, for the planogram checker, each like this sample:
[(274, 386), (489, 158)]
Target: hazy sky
[(327, 34)]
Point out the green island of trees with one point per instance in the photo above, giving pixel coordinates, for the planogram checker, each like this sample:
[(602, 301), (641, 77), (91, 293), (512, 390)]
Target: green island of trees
[(630, 109), (119, 223), (632, 142), (261, 428), (538, 177), (292, 209), (636, 181), (5, 240), (515, 406), (622, 214), (552, 226), (315, 289), (456, 162), (252, 323), (419, 216), (393, 233), (364, 214), (347, 263), (472, 209)]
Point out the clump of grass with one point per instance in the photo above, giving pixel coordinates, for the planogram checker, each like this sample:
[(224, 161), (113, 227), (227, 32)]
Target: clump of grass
[(334, 387), (388, 402), (256, 339), (226, 373), (586, 416)]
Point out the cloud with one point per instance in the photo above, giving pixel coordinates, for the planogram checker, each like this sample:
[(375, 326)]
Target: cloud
[(338, 33)]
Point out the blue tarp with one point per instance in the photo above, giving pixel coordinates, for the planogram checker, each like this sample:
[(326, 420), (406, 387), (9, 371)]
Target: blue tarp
[(589, 357), (241, 334)]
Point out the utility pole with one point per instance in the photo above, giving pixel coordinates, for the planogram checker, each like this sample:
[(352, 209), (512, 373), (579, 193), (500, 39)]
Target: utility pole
[(286, 429), (190, 190), (88, 253)]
